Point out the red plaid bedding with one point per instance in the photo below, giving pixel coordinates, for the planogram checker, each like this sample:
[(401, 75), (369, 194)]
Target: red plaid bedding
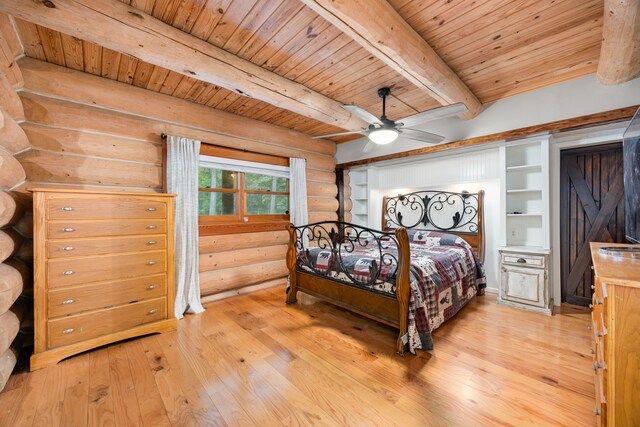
[(445, 274)]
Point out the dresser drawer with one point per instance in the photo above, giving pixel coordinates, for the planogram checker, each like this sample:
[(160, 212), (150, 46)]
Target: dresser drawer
[(104, 245), (63, 272), (76, 299), (105, 208), (85, 228), (81, 327), (523, 260)]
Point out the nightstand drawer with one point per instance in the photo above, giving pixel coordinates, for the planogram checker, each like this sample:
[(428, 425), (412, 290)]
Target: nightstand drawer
[(104, 245), (72, 329), (523, 260), (105, 208), (76, 299), (63, 272), (86, 228)]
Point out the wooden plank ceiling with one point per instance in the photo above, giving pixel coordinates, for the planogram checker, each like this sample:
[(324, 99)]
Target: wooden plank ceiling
[(498, 48)]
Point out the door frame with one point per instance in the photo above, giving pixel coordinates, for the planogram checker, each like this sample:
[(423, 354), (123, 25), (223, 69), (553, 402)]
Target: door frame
[(597, 135)]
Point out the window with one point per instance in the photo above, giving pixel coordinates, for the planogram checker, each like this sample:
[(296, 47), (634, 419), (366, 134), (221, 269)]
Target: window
[(237, 192)]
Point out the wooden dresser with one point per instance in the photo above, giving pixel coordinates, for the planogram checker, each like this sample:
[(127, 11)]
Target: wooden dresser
[(616, 338), (103, 269)]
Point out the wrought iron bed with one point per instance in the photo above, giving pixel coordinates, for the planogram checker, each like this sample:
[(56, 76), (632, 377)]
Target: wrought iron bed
[(368, 294)]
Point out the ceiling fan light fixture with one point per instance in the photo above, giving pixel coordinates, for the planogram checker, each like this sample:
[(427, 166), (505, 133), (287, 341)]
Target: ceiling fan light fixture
[(383, 136)]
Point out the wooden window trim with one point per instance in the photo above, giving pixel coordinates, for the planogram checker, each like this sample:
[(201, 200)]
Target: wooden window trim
[(235, 224)]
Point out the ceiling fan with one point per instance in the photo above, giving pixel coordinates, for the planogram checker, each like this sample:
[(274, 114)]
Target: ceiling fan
[(384, 131)]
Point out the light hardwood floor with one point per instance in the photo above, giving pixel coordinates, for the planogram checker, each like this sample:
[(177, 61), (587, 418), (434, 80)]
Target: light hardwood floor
[(253, 361)]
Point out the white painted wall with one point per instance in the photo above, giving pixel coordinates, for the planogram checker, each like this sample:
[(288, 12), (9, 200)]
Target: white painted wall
[(471, 171), (565, 100)]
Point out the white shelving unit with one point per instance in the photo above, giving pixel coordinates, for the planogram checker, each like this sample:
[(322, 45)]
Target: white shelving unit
[(526, 192), (524, 255), (359, 181)]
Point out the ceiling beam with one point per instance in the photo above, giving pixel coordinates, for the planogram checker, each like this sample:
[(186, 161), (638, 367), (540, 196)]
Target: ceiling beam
[(120, 27), (377, 27), (620, 51)]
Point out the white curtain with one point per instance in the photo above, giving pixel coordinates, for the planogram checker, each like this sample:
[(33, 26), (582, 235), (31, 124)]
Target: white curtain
[(182, 180), (298, 192)]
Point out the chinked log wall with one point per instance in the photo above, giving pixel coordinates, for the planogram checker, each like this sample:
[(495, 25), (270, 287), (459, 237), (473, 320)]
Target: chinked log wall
[(93, 132), (16, 250)]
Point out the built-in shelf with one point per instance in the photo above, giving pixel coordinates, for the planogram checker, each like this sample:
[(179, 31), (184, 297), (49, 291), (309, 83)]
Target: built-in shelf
[(524, 168), (360, 196), (524, 257), (524, 190)]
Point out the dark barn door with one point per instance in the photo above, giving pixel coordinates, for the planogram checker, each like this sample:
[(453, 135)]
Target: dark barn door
[(591, 210)]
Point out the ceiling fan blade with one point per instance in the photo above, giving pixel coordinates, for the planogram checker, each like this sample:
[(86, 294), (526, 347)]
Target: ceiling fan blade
[(362, 113), (433, 114), (418, 135), (368, 146), (329, 135)]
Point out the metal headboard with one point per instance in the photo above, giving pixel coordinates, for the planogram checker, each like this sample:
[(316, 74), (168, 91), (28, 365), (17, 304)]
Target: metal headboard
[(430, 210)]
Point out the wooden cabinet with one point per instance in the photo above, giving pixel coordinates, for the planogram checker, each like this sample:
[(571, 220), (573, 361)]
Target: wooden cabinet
[(615, 347), (103, 269), (524, 279), (524, 256)]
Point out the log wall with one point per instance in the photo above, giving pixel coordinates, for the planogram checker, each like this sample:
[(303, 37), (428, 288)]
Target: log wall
[(16, 248), (92, 132)]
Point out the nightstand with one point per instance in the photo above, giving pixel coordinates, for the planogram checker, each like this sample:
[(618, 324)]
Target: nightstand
[(524, 278)]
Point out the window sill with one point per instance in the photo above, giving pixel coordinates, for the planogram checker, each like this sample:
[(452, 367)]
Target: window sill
[(213, 229)]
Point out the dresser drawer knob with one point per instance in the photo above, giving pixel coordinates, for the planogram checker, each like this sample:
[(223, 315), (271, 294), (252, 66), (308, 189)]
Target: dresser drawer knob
[(596, 366), (68, 272), (592, 351), (153, 311), (152, 262), (521, 261), (151, 209), (68, 248), (590, 305), (596, 411), (151, 242), (599, 334), (152, 286), (152, 227), (67, 208), (68, 331), (68, 229), (68, 301)]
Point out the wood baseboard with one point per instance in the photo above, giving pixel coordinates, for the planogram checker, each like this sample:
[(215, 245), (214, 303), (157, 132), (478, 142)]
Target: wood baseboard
[(245, 290)]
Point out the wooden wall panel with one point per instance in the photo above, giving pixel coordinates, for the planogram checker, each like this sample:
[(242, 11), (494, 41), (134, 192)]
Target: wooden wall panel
[(228, 242), (15, 277), (91, 131)]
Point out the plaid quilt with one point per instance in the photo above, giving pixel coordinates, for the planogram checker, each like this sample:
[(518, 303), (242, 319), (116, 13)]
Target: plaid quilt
[(445, 274)]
